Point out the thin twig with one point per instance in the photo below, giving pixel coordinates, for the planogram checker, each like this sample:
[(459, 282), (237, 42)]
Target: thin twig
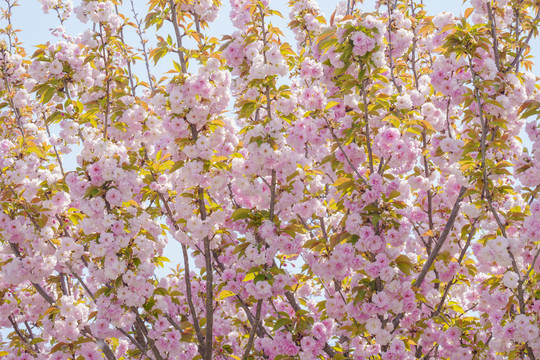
[(344, 153), (442, 239), (178, 36), (254, 327), (517, 59), (461, 257), (494, 35), (143, 44)]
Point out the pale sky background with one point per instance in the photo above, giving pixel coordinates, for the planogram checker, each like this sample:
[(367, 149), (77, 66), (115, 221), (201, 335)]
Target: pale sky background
[(36, 29), (36, 26)]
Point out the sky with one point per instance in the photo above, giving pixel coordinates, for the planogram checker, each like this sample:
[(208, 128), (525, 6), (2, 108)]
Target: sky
[(36, 29), (36, 26)]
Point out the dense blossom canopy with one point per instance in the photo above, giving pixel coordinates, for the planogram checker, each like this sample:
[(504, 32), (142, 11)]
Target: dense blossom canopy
[(365, 188)]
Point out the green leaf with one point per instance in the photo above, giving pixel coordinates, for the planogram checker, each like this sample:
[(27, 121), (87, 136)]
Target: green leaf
[(57, 115), (225, 294), (35, 341), (92, 192), (161, 291), (100, 291), (57, 347), (360, 295), (260, 277), (149, 304), (48, 94), (404, 264), (282, 322), (331, 104), (239, 214), (177, 165), (248, 109)]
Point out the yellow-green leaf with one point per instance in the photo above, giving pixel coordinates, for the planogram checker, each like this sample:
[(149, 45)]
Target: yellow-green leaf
[(331, 104), (239, 214), (225, 294)]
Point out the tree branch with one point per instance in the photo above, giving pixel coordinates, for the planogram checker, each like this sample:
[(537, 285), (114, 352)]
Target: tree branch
[(517, 59), (442, 239), (178, 36), (494, 35), (254, 327), (345, 154)]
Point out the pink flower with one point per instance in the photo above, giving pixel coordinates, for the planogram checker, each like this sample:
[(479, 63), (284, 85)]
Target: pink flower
[(114, 197)]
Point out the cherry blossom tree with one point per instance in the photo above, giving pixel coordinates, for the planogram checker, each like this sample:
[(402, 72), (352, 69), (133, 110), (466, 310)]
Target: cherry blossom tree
[(363, 187)]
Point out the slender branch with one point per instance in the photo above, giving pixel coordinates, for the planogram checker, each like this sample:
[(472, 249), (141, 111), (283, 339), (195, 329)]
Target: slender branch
[(366, 118), (494, 35), (294, 304), (36, 286), (128, 60), (9, 96), (107, 83), (8, 15), (107, 351), (483, 123), (254, 327), (496, 216), (209, 303), (140, 323), (29, 330), (209, 298), (345, 154), (424, 133), (526, 277), (517, 59), (391, 59), (21, 335), (135, 342), (178, 36), (273, 195), (461, 257), (515, 268), (187, 275), (323, 229), (143, 44), (413, 50), (104, 347), (192, 310), (263, 32), (261, 332), (83, 284), (100, 342), (442, 239), (58, 159), (429, 194), (256, 321)]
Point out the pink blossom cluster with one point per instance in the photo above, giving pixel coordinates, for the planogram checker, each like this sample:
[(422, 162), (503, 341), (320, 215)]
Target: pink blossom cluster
[(362, 192)]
